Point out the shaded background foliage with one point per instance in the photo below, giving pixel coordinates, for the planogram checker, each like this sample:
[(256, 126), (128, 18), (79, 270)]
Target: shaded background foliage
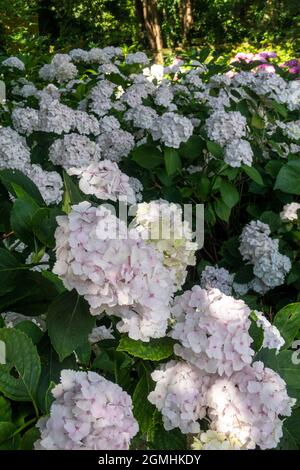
[(223, 24)]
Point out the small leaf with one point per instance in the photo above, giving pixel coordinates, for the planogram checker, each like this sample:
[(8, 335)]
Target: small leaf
[(154, 350), (222, 210), (253, 174), (215, 149), (229, 194)]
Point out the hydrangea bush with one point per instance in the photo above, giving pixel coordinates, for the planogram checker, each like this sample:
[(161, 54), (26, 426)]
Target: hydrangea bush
[(131, 332)]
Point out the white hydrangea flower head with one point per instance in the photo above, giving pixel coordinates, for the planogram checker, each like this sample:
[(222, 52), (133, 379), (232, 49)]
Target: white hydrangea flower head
[(14, 151), (272, 337), (74, 150), (79, 55), (85, 123), (249, 404), (222, 127), (11, 319), (161, 224), (137, 58), (116, 144), (109, 124), (13, 63), (291, 129), (98, 56), (99, 333), (257, 247), (89, 413), (49, 183), (172, 129), (163, 95), (60, 69), (137, 188), (238, 152), (180, 395), (100, 97), (142, 117), (55, 117), (25, 120), (213, 331), (104, 180), (213, 440), (290, 212), (114, 270), (218, 278), (255, 240)]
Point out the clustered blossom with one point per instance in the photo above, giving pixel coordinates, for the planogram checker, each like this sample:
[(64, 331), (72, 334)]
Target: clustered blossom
[(49, 183), (172, 129), (161, 223), (141, 116), (272, 337), (259, 249), (242, 400), (14, 152), (116, 144), (74, 150), (290, 212), (99, 333), (13, 63), (180, 395), (223, 127), (212, 440), (219, 278), (238, 152), (137, 58), (213, 331), (105, 181), (114, 269), (61, 69), (248, 406), (88, 413)]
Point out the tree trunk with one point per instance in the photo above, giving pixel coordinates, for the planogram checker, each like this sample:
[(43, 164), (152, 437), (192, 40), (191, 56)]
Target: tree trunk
[(152, 26), (48, 25), (187, 19)]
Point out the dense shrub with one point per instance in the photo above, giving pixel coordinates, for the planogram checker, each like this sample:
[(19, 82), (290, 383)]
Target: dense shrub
[(114, 334)]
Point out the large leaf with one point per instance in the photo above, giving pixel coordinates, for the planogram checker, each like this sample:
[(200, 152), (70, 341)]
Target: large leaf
[(147, 156), (288, 178), (21, 220), (69, 323), (14, 179), (142, 409), (32, 296), (291, 432), (172, 161), (20, 375), (287, 320), (229, 194), (154, 350), (7, 440), (284, 363), (72, 193), (8, 271), (5, 409), (44, 225), (215, 149)]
